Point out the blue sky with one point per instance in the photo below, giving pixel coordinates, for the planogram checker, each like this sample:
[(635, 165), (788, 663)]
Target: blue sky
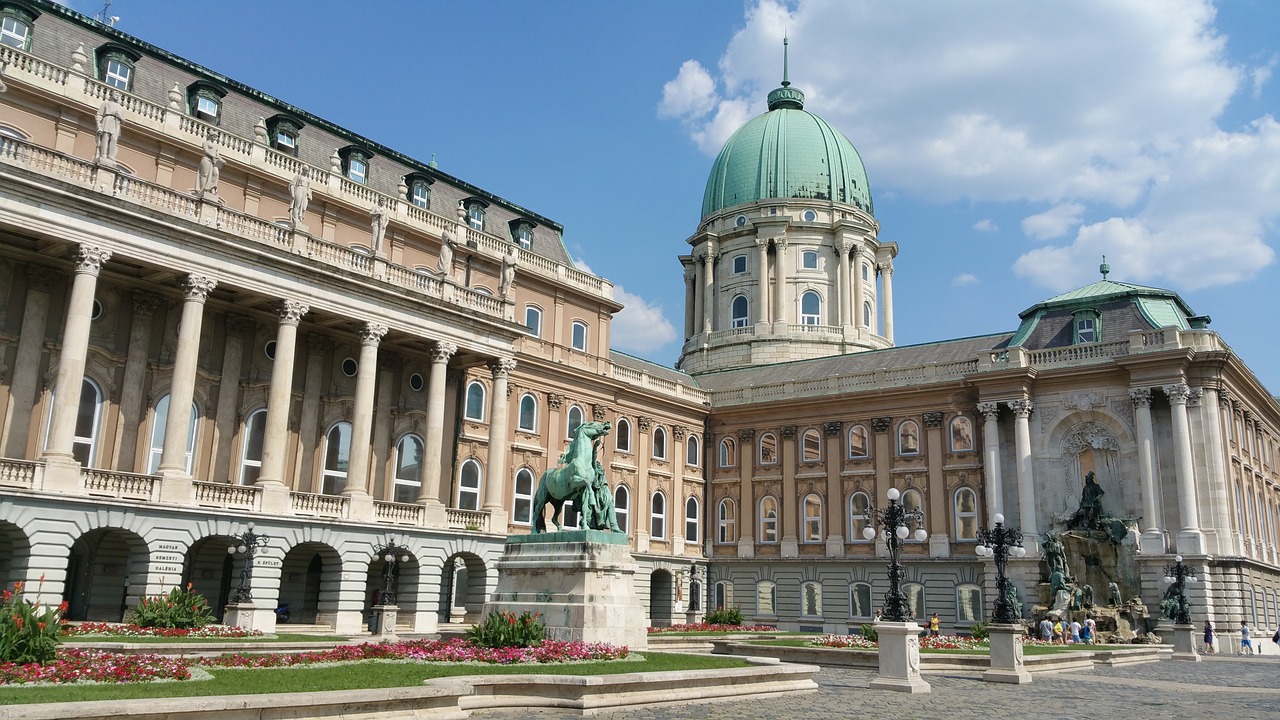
[(1008, 144)]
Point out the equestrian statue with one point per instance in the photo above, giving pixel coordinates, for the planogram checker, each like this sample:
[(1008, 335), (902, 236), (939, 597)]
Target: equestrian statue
[(579, 478)]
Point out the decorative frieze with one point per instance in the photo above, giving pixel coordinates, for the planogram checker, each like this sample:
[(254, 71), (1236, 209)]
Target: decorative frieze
[(678, 432), (644, 422)]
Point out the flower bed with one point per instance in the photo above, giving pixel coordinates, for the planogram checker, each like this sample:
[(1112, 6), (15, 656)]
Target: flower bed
[(85, 666), (123, 630), (455, 650), (940, 642), (708, 627)]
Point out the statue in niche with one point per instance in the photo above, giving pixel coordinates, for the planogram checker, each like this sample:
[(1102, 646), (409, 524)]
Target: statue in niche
[(1090, 512), (507, 276), (210, 168), (445, 265), (379, 218), (110, 120), (299, 198), (1113, 595)]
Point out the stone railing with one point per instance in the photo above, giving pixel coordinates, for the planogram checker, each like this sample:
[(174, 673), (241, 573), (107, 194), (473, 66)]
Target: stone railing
[(20, 474), (157, 196), (1074, 353), (334, 506), (474, 520), (21, 63), (654, 382), (399, 513), (222, 495), (126, 486)]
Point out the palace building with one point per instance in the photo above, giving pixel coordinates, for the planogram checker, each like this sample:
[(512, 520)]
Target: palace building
[(366, 349)]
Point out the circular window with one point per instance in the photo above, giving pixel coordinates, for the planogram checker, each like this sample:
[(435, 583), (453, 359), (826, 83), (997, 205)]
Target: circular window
[(741, 221), (97, 310), (810, 216), (350, 367), (270, 349), (415, 382)]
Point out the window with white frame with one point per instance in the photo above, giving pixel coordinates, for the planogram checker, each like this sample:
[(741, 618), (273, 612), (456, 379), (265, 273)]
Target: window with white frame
[(859, 516), (337, 458), (622, 436), (659, 443), (692, 521), (860, 601), (912, 503), (739, 264), (84, 443), (204, 101), (475, 401), (728, 454), (908, 438), (811, 446), (658, 516), (722, 595), (966, 515), (767, 453), (522, 505), (533, 320), (811, 599), (866, 314), (407, 484), (1088, 326), (766, 598), (579, 335), (768, 519), (420, 193), (811, 510), (255, 431), (866, 272), (692, 453), (475, 215), (726, 522), (810, 309), (859, 447), (528, 421), (738, 312), (118, 72), (809, 260), (574, 420), (523, 235), (469, 485), (158, 423), (15, 27), (622, 507), (968, 604)]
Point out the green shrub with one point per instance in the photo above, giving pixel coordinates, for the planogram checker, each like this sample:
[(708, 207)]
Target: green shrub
[(980, 631), (181, 608), (504, 629), (28, 632), (869, 632), (724, 616)]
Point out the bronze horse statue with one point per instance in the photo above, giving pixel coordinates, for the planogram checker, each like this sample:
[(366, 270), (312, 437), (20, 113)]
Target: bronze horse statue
[(579, 478)]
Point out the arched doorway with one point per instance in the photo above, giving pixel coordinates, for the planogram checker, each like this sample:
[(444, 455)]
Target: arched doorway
[(15, 555), (404, 585), (213, 572), (106, 574), (310, 577), (462, 589), (661, 589)]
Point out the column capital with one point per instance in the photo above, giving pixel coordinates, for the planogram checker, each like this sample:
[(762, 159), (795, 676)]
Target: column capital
[(844, 246), (41, 279), (1178, 393), (989, 410), (91, 258), (762, 243), (1193, 398), (145, 304), (598, 412), (885, 268), (833, 428), (442, 351), (291, 311), (881, 424), (502, 367), (780, 242), (196, 288), (555, 401), (678, 432), (932, 419), (746, 434), (787, 431), (371, 333), (1022, 408), (1141, 396)]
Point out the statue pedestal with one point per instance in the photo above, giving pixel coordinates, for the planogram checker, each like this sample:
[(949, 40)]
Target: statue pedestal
[(1184, 643), (250, 617), (1006, 655), (582, 581), (899, 658), (385, 617)]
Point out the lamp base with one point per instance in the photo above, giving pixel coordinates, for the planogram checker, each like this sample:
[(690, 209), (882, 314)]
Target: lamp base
[(899, 658)]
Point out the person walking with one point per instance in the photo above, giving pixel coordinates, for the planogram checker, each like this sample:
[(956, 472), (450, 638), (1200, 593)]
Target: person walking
[(1091, 627), (1046, 629), (1075, 632), (1208, 638), (1245, 642), (934, 625)]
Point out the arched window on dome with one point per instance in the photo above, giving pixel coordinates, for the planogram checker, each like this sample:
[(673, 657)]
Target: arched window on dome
[(739, 312), (810, 309), (866, 314)]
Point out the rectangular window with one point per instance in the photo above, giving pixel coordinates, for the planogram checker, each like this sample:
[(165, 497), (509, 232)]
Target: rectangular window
[(421, 195), (14, 33), (580, 336), (809, 260), (739, 264), (118, 74), (285, 141), (1086, 330), (357, 171), (207, 108)]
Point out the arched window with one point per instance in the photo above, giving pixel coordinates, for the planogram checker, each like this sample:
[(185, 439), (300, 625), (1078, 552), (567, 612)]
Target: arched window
[(766, 598), (768, 449), (768, 519), (961, 434), (158, 422), (659, 443), (658, 516), (912, 502), (728, 453), (860, 601), (522, 508), (533, 320), (908, 438), (579, 335), (337, 456), (15, 27), (408, 480), (528, 413), (692, 453), (722, 594), (622, 507), (866, 314), (968, 604), (859, 516), (692, 520), (915, 599), (810, 309), (726, 522), (469, 485), (811, 446), (475, 401), (811, 599), (739, 312), (574, 420), (966, 515), (812, 516), (255, 429), (858, 445), (84, 444), (622, 436)]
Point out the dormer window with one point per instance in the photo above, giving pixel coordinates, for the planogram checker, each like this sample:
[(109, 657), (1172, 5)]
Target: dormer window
[(522, 233), (420, 194), (355, 163), (16, 22), (1088, 326), (204, 101), (115, 66), (475, 208), (283, 132)]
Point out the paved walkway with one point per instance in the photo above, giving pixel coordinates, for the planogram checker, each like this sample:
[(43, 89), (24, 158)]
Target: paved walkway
[(1219, 687)]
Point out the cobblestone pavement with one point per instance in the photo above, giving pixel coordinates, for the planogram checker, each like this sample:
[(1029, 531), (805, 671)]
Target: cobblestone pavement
[(1219, 687)]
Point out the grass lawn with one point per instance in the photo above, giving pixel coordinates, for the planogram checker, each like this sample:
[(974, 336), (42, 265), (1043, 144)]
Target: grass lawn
[(354, 676), (281, 638)]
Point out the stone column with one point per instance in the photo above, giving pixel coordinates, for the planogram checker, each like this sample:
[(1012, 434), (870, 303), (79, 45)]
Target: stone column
[(26, 366), (699, 295), (1190, 538), (678, 539), (779, 283), (433, 443), (362, 421), (859, 290), (135, 373), (746, 498), (991, 457), (842, 281), (195, 290), (309, 431), (1214, 404), (1026, 485), (938, 500), (75, 349), (886, 302), (789, 506), (835, 507), (690, 300), (761, 310), (225, 469), (495, 487), (275, 441), (708, 289), (1152, 537)]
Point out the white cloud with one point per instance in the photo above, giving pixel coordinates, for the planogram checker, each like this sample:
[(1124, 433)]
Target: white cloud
[(986, 225), (1260, 75), (691, 95), (639, 327), (964, 279), (1054, 222)]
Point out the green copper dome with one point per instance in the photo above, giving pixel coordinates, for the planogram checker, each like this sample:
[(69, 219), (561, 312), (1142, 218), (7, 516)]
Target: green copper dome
[(787, 153)]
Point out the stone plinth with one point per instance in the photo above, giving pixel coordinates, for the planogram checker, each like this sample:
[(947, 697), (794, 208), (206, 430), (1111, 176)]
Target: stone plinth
[(386, 616), (582, 581), (1006, 655), (1184, 643), (899, 658), (250, 617)]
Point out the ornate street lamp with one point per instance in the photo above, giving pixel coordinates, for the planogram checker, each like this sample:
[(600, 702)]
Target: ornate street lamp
[(391, 553), (246, 544), (1000, 543), (1178, 575), (893, 521)]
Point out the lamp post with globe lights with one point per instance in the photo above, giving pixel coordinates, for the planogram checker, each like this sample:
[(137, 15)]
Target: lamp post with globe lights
[(1176, 576), (384, 609), (1004, 638), (898, 634), (246, 544)]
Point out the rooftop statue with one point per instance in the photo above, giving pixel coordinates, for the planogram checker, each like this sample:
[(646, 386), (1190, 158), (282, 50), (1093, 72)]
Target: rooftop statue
[(580, 479), (110, 119)]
